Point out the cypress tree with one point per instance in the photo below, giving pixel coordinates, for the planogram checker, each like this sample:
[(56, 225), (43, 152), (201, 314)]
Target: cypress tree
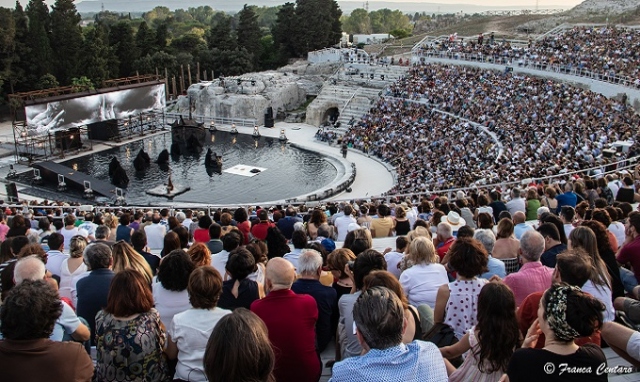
[(66, 40)]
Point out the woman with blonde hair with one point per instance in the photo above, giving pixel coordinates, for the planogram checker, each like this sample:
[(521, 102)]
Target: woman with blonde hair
[(111, 221), (125, 257), (73, 266), (336, 262), (422, 280), (200, 254)]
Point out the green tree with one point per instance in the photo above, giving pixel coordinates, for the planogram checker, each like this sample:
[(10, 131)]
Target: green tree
[(283, 32), (249, 34), (7, 50), (160, 60), (19, 80), (82, 84), (219, 36), (41, 55), (96, 55), (124, 47), (317, 25), (358, 22), (66, 39), (162, 34), (188, 43), (145, 39), (47, 81)]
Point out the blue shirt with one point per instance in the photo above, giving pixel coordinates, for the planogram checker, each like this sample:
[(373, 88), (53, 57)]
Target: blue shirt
[(496, 267), (566, 199), (417, 361)]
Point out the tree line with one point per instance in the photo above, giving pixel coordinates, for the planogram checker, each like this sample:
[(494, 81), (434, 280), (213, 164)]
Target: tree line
[(42, 48)]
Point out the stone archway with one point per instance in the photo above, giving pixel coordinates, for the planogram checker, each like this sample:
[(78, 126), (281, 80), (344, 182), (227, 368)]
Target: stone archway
[(331, 115)]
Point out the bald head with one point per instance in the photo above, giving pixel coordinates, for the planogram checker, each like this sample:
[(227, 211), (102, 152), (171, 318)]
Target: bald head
[(280, 274), (519, 217)]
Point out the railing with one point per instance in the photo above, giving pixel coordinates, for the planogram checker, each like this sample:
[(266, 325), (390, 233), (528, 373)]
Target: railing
[(249, 122), (531, 64)]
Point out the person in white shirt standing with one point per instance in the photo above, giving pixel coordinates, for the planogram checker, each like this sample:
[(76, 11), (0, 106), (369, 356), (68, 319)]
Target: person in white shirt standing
[(342, 223)]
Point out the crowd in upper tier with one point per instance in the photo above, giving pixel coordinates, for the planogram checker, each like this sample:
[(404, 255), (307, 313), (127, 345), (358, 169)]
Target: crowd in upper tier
[(455, 126), (606, 50)]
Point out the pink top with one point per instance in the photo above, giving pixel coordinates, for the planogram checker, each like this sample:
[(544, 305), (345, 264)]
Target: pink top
[(532, 277)]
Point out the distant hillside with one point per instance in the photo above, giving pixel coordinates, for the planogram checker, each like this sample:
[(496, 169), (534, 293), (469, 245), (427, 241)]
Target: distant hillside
[(606, 6), (346, 6)]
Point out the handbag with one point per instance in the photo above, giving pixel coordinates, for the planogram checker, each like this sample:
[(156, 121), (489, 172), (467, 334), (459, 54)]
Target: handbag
[(442, 335)]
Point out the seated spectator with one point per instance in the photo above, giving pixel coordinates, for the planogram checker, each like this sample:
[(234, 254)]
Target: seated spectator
[(492, 340), (413, 330), (299, 241), (421, 281), (155, 233), (238, 290), (496, 267), (444, 239), (190, 330), (624, 341), (230, 242), (507, 246), (199, 254), (251, 358), (170, 285), (92, 291), (55, 255), (358, 241), (125, 257), (171, 242), (129, 335), (629, 253), (378, 315), (308, 282), (383, 225), (565, 314), (214, 244), (283, 313), (276, 243), (567, 216), (259, 230), (393, 258), (28, 316), (336, 263), (367, 261), (72, 267), (123, 231), (102, 235), (139, 243), (286, 224), (520, 226), (552, 244), (608, 257), (599, 284), (456, 302), (259, 252), (572, 268), (532, 276), (201, 234)]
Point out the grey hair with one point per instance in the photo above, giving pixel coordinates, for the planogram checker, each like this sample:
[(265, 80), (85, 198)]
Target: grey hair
[(97, 256), (102, 232), (29, 268), (379, 317), (445, 229), (181, 216), (532, 245), (486, 238), (309, 262)]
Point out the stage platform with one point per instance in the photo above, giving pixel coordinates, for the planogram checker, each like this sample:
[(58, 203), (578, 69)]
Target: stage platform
[(74, 179)]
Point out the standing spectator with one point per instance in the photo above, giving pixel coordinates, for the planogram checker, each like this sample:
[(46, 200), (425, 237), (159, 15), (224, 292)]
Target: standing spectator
[(170, 286), (92, 290), (290, 320), (129, 335), (532, 276), (190, 330), (310, 269), (378, 315), (259, 230), (155, 233), (28, 316), (139, 243), (123, 231)]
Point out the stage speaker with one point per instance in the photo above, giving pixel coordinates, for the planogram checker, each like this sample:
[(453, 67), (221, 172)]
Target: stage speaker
[(268, 120), (12, 192), (68, 139), (104, 130), (269, 111)]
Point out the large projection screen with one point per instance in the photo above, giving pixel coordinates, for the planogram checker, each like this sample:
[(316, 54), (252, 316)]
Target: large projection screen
[(60, 115)]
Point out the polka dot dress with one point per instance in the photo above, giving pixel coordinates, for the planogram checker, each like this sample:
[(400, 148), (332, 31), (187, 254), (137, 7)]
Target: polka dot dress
[(462, 307)]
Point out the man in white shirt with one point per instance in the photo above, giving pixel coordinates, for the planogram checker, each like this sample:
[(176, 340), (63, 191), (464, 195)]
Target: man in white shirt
[(613, 184), (55, 257), (342, 222), (89, 226), (516, 203), (394, 258), (299, 241), (230, 241), (567, 214), (155, 233)]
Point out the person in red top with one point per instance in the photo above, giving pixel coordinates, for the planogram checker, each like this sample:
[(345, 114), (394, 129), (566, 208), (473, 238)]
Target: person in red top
[(444, 239), (629, 253), (291, 320), (201, 234), (259, 231), (573, 268)]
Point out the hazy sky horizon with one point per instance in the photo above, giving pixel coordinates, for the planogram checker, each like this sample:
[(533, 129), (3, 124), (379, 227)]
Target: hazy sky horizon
[(498, 3)]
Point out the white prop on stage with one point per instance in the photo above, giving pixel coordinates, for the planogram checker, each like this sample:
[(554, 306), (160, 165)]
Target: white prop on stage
[(161, 190), (244, 170)]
